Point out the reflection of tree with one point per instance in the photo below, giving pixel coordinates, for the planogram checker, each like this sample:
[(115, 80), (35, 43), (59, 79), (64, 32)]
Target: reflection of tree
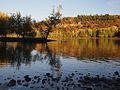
[(54, 62), (17, 55), (42, 52)]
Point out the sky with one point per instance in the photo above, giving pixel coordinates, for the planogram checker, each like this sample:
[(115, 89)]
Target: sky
[(41, 9)]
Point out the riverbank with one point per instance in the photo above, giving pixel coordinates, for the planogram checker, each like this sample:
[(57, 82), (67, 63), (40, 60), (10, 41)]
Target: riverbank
[(11, 39), (43, 40)]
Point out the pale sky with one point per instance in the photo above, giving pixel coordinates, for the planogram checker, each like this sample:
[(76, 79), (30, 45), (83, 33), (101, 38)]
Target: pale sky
[(40, 9)]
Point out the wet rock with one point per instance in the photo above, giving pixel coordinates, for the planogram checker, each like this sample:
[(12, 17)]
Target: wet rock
[(26, 85), (48, 74), (68, 84), (88, 88), (43, 81), (23, 81), (42, 87), (31, 87), (53, 79), (76, 71), (19, 82), (34, 82), (116, 73), (79, 85), (118, 80), (18, 77), (12, 83), (27, 78), (72, 74), (79, 81), (64, 81), (80, 74), (8, 78), (62, 88), (67, 89), (58, 88), (35, 77), (51, 85), (65, 84), (38, 80), (71, 79)]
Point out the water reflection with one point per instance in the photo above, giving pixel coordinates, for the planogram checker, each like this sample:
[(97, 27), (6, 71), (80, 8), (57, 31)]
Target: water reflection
[(15, 54), (88, 48), (43, 53)]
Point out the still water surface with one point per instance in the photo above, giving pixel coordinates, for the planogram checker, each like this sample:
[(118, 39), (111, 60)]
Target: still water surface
[(97, 57)]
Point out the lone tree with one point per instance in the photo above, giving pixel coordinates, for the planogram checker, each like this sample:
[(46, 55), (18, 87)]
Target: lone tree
[(50, 23)]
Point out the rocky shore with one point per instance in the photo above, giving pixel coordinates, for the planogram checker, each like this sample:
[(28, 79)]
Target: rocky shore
[(72, 81)]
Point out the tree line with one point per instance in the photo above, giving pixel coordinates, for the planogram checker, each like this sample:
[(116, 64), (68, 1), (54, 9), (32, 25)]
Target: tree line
[(16, 24), (101, 26), (19, 26)]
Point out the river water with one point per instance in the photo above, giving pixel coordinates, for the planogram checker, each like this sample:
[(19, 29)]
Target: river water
[(84, 56)]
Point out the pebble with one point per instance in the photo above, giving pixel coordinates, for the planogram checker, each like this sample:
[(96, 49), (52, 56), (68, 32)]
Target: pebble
[(12, 83), (116, 73)]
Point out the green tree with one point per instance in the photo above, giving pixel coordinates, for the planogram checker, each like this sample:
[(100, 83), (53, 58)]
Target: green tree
[(51, 22), (22, 26), (3, 27)]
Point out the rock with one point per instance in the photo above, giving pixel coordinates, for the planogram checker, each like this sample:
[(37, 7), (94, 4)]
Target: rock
[(51, 85), (116, 73), (35, 77), (43, 81), (38, 80), (72, 74), (27, 78), (8, 78), (19, 82), (79, 85), (31, 87), (62, 88), (34, 82), (26, 85), (58, 88), (42, 87), (12, 83), (48, 74), (88, 88)]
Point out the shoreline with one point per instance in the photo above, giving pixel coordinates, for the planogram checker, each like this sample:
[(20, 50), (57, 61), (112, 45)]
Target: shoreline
[(74, 80), (43, 40), (14, 39)]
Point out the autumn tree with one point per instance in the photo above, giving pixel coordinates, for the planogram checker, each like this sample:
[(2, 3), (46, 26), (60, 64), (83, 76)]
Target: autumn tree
[(51, 23)]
